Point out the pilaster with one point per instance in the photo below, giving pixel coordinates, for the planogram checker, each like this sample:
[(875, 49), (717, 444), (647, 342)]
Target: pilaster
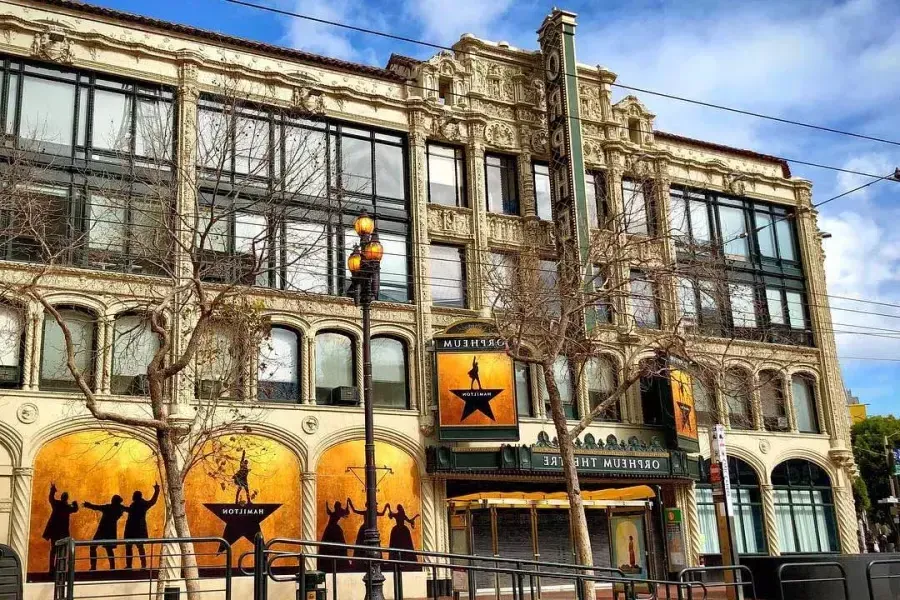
[(308, 501), (421, 239), (32, 325), (756, 403), (848, 541), (686, 498), (770, 521), (477, 254), (20, 513)]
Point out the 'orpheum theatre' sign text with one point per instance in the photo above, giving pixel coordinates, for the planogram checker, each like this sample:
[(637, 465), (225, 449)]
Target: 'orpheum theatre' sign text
[(605, 465)]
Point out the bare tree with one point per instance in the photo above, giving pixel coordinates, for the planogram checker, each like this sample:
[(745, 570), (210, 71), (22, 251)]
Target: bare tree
[(254, 211), (662, 314)]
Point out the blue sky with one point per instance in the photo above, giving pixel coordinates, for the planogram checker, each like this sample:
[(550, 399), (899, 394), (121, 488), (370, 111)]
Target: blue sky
[(831, 63)]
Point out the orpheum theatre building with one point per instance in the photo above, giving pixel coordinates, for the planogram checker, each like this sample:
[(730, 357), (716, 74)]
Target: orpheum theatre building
[(452, 151)]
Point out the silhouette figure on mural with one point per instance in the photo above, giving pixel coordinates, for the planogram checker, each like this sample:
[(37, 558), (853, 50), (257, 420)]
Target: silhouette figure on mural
[(136, 525), (473, 375), (401, 542), (58, 524), (240, 479), (107, 528), (361, 533), (333, 534)]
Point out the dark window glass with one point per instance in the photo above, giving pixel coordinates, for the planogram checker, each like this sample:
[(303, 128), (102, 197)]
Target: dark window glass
[(278, 373), (134, 346), (389, 373), (55, 373), (804, 508), (446, 175), (447, 276), (501, 186), (771, 398), (596, 198), (335, 364), (542, 198), (634, 199), (600, 373)]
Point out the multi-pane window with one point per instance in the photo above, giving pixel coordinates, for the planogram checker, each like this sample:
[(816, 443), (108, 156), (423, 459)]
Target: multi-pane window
[(753, 245), (134, 346), (447, 276), (278, 370), (542, 198), (700, 304), (596, 197), (746, 499), (562, 375), (600, 375), (389, 381), (102, 200), (523, 389), (644, 310), (803, 390), (446, 175), (12, 332), (804, 508), (55, 372), (638, 207), (335, 365), (501, 184), (280, 193)]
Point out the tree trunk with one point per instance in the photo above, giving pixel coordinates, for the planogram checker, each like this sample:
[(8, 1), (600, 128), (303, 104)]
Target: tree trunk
[(175, 495), (577, 517)]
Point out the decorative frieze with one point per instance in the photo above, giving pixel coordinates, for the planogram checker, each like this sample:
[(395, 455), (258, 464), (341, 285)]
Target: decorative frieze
[(445, 221)]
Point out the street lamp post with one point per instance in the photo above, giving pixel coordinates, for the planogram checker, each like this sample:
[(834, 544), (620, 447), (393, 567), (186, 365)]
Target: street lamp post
[(364, 264)]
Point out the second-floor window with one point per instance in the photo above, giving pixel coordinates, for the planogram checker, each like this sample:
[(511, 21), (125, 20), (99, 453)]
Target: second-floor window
[(542, 197), (644, 308), (501, 184), (447, 277), (446, 175), (637, 202)]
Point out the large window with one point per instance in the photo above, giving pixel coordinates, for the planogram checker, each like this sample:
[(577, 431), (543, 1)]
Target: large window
[(134, 346), (803, 389), (220, 362), (447, 276), (644, 311), (747, 501), (12, 336), (389, 373), (446, 175), (600, 375), (753, 244), (501, 184), (278, 372), (563, 376), (699, 305), (335, 366), (55, 372), (542, 198), (804, 508)]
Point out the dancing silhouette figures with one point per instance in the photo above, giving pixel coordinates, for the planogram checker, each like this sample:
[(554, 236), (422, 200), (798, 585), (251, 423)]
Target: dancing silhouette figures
[(333, 534), (473, 375), (361, 532), (136, 525), (401, 542), (240, 479), (58, 524), (107, 528)]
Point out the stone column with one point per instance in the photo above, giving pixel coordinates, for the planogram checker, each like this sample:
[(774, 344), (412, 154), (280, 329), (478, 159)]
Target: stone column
[(848, 541), (477, 254), (430, 537), (756, 403), (527, 198), (686, 498), (418, 203), (308, 502), (309, 372), (32, 316), (787, 393), (105, 340), (21, 511), (769, 519)]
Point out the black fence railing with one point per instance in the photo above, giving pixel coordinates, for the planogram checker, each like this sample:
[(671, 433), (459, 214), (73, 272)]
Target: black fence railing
[(883, 577), (831, 585), (736, 579)]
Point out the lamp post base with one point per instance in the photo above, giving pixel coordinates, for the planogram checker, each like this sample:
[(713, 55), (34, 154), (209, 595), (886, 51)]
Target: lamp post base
[(374, 578)]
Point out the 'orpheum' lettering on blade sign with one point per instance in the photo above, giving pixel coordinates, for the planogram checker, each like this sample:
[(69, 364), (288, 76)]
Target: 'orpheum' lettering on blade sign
[(605, 464)]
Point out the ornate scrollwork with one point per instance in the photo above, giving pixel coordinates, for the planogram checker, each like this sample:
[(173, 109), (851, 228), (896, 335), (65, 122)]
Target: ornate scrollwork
[(53, 44), (309, 100)]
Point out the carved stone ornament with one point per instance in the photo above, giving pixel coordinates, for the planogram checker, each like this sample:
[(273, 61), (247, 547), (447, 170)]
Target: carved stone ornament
[(500, 134), (310, 425), (505, 230), (734, 184), (450, 129), (27, 413), (449, 221), (593, 152), (539, 142), (764, 446), (309, 100), (52, 44)]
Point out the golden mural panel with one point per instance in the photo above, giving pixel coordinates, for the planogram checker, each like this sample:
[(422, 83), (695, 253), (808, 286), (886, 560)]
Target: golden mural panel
[(95, 485), (341, 501)]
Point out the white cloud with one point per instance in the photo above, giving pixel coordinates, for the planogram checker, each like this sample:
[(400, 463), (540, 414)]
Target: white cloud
[(322, 38), (443, 21)]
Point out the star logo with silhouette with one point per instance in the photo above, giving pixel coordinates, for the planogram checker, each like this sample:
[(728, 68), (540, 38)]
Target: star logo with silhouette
[(241, 520), (477, 401)]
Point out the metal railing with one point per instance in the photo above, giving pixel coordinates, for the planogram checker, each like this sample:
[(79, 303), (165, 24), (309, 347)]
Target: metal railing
[(871, 578), (523, 576), (150, 566), (806, 581), (742, 575)]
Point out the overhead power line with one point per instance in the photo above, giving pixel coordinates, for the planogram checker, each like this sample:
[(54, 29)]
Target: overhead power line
[(433, 45)]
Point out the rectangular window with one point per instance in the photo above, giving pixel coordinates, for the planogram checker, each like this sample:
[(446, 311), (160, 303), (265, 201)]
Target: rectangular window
[(636, 217), (389, 172), (447, 276), (803, 391), (603, 305), (356, 165), (500, 279), (743, 305), (643, 301), (393, 277), (303, 257), (542, 199), (47, 121), (523, 389), (501, 185), (706, 514), (562, 375), (734, 232), (446, 175), (595, 195)]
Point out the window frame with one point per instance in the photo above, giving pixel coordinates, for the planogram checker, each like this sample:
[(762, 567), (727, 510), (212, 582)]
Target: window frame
[(737, 466), (404, 347), (535, 165), (298, 347), (643, 276), (459, 164), (647, 190), (810, 488), (92, 362), (115, 337), (20, 354), (571, 409), (463, 283), (812, 388), (509, 174), (596, 179), (613, 413), (354, 348), (529, 375)]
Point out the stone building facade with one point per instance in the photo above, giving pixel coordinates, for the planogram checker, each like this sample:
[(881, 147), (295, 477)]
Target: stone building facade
[(480, 107)]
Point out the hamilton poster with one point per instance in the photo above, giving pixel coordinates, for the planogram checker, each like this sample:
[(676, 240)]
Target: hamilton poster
[(97, 485), (476, 389), (684, 410), (341, 503)]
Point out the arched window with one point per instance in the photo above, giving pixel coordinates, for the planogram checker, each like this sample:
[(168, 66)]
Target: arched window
[(389, 374), (737, 399), (771, 399), (600, 373), (335, 366), (804, 391), (221, 360), (523, 389), (804, 507), (562, 373), (704, 401), (747, 501), (12, 334), (55, 373), (134, 345), (278, 375)]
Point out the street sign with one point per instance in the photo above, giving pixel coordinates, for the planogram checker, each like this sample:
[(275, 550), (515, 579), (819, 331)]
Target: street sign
[(721, 456)]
